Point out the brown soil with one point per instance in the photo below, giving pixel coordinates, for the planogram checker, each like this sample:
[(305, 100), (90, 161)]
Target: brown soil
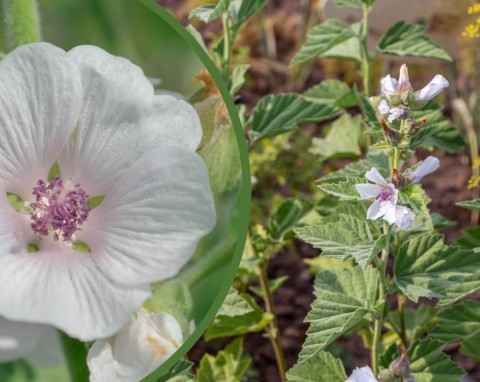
[(293, 299)]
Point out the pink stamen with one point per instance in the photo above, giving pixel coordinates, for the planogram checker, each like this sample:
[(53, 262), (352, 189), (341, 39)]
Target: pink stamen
[(62, 214), (386, 195)]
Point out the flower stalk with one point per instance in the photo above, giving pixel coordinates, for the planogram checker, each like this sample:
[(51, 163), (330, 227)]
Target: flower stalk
[(22, 22), (365, 55), (76, 354)]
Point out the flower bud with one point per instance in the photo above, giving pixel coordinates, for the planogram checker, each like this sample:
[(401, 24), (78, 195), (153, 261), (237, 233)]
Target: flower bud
[(406, 155), (398, 179), (391, 135), (411, 379), (386, 376), (401, 366), (404, 84)]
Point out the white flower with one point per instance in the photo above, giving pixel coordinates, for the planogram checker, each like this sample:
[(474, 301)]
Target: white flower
[(137, 350), (434, 88), (364, 374), (97, 116), (428, 166), (386, 198), (383, 107), (38, 344), (397, 113), (390, 86)]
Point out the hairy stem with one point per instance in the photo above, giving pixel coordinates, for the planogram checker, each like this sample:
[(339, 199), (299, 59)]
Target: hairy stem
[(76, 356), (227, 47), (22, 22), (401, 311), (273, 326)]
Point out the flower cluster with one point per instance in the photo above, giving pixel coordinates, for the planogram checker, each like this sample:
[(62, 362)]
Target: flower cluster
[(472, 30)]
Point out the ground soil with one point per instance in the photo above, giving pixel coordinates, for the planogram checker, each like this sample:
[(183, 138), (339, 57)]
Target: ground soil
[(293, 299)]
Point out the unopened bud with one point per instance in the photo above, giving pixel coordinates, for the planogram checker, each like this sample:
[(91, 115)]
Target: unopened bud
[(391, 135), (406, 155), (398, 180), (411, 379), (386, 375), (416, 125), (404, 84), (401, 366)]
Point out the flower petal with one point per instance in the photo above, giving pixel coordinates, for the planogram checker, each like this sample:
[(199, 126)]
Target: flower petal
[(65, 289), (368, 191), (364, 374), (428, 166), (121, 119), (374, 211), (138, 349), (374, 176), (388, 85), (147, 228), (404, 217), (17, 339), (40, 99), (434, 88), (383, 107)]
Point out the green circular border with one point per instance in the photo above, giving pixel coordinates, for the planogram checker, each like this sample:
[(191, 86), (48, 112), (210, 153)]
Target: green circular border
[(244, 198)]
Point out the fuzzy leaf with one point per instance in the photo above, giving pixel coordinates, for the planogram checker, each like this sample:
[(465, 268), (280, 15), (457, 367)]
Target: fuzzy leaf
[(344, 190), (342, 140), (430, 364), (210, 12), (277, 114), (234, 305), (417, 321), (425, 267), (460, 323), (332, 92), (410, 40), (332, 38), (357, 169), (229, 365), (237, 79), (320, 367), (470, 239), (343, 299), (470, 204), (287, 216), (178, 373)]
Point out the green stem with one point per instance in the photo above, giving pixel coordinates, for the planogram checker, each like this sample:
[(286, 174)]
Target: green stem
[(227, 47), (365, 55), (273, 326), (22, 22), (76, 356), (401, 311), (396, 158)]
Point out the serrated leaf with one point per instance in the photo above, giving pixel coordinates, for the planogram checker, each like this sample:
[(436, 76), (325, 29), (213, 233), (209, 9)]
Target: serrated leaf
[(277, 114), (320, 367), (237, 79), (410, 40), (344, 190), (332, 92), (348, 237), (422, 136), (429, 364), (390, 355), (470, 239), (234, 305), (287, 216), (237, 325), (426, 267), (210, 12), (445, 136), (367, 108), (417, 321), (330, 39), (247, 9), (357, 169), (416, 198), (342, 140), (470, 204), (343, 299), (229, 365), (460, 323)]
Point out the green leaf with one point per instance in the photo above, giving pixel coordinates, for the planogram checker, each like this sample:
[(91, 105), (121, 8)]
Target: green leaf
[(95, 201), (357, 169), (226, 325), (470, 204), (180, 369), (343, 299), (332, 92), (415, 197), (425, 267), (237, 79), (17, 202), (320, 367), (417, 321), (229, 365), (410, 40), (234, 305), (470, 239), (277, 114), (197, 36), (430, 364), (273, 285), (460, 323), (342, 140), (445, 136), (367, 109), (247, 9), (332, 38), (287, 216), (390, 355), (356, 4), (344, 190), (348, 237), (210, 12)]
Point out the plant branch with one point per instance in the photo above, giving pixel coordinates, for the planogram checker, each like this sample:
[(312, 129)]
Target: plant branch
[(365, 66), (76, 356), (22, 22)]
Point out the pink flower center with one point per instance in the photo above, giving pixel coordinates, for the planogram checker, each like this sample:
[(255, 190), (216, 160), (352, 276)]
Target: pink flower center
[(58, 209), (386, 194)]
